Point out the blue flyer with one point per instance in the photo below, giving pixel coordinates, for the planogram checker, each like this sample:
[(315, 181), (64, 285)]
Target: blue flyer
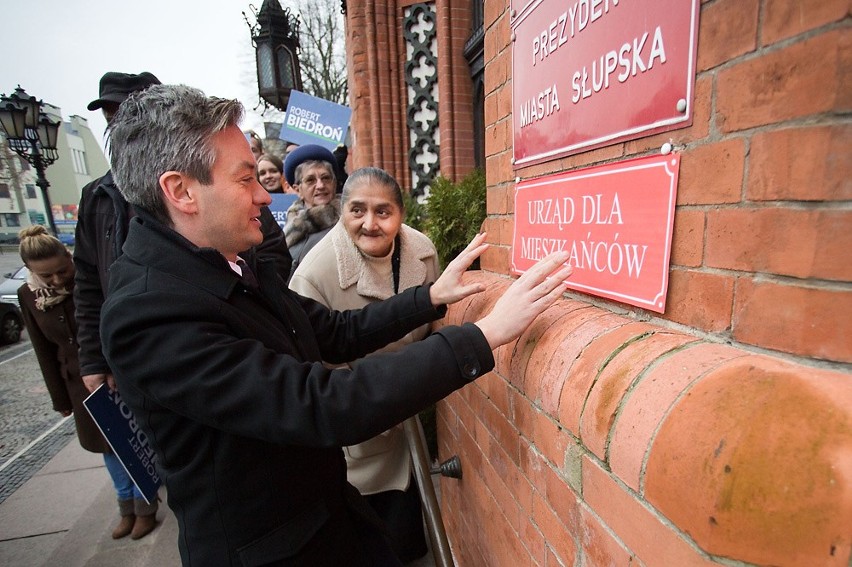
[(280, 203), (128, 442)]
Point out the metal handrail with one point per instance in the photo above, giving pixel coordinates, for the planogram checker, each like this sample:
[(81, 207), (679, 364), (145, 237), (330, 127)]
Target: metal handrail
[(431, 509)]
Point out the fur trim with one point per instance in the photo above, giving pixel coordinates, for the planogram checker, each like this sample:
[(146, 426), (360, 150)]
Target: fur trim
[(303, 221), (352, 269)]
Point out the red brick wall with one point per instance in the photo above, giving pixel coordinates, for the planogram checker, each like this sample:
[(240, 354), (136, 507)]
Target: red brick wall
[(455, 89), (378, 96), (723, 428), (721, 431), (763, 199)]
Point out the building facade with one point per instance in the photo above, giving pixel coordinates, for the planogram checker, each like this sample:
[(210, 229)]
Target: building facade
[(715, 427), (81, 159)]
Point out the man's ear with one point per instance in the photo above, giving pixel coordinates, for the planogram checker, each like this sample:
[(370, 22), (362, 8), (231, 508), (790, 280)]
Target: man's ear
[(177, 191)]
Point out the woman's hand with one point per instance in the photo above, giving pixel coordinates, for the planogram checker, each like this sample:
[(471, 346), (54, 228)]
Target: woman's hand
[(449, 287), (526, 298)]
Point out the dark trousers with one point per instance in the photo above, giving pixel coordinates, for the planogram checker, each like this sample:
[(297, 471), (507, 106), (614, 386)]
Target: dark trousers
[(402, 512)]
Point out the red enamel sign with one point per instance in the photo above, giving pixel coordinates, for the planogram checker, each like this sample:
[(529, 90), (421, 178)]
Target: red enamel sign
[(615, 220), (589, 73)]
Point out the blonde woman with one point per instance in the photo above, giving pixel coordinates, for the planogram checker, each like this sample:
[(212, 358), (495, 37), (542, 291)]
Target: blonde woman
[(48, 309)]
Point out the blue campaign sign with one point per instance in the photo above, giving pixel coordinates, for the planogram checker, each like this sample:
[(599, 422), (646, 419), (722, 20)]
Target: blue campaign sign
[(128, 442), (280, 203), (312, 120)]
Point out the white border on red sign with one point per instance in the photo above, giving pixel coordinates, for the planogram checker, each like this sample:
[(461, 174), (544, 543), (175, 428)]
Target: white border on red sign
[(649, 129), (604, 293)]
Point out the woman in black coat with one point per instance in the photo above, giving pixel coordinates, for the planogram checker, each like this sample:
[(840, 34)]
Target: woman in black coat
[(48, 310)]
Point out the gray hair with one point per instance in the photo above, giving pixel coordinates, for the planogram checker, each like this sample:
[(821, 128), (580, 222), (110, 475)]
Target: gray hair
[(166, 128), (372, 175)]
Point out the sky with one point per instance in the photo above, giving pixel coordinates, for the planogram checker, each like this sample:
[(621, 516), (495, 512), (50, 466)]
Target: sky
[(57, 50)]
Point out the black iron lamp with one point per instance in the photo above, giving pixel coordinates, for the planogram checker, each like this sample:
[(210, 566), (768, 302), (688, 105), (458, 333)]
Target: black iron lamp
[(32, 134), (275, 36)]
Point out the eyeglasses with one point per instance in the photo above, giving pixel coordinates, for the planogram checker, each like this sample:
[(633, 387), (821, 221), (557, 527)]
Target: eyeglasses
[(311, 180)]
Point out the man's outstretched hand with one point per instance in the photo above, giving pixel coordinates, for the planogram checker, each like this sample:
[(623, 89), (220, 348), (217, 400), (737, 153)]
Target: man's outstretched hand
[(449, 287), (526, 298)]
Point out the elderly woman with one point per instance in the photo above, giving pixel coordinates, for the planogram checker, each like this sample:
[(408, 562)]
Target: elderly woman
[(310, 170), (369, 256), (270, 174), (48, 309)]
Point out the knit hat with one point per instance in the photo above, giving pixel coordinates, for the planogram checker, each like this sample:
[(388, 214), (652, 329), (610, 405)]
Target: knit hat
[(116, 87)]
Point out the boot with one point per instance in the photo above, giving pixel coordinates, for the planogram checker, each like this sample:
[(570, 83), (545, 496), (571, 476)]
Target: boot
[(146, 518), (128, 518)]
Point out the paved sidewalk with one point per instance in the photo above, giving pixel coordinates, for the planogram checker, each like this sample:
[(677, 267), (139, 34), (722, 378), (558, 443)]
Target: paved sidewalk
[(64, 515)]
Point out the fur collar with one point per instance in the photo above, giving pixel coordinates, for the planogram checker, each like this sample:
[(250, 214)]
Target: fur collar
[(352, 269), (304, 221)]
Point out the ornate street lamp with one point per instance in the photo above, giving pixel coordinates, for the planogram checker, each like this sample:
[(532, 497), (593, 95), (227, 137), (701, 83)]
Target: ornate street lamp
[(32, 134), (275, 35)]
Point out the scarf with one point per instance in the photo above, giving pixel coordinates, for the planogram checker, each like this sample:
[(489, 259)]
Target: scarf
[(45, 295)]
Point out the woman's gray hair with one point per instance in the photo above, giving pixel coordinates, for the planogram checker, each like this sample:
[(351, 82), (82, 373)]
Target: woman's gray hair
[(166, 128), (372, 175)]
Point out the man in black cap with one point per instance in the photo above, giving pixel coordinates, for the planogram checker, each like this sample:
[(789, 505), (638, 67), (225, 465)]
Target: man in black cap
[(103, 217), (116, 87)]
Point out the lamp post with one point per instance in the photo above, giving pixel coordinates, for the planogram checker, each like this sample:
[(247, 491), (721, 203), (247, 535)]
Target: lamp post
[(275, 35), (33, 135)]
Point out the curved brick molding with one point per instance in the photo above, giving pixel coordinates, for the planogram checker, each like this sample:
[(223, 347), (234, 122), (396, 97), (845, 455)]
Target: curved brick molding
[(600, 439)]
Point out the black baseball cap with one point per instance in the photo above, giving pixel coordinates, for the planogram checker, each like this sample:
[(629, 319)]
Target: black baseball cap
[(116, 87)]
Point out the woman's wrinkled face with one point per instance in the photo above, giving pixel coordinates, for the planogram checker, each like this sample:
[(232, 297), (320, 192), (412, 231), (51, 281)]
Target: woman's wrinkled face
[(372, 218), (57, 272), (269, 176), (317, 185)]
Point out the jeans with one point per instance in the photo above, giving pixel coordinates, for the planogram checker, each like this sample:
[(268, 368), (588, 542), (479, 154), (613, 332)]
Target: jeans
[(124, 487)]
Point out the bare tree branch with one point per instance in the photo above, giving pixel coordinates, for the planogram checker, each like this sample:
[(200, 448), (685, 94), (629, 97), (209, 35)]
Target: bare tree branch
[(322, 54)]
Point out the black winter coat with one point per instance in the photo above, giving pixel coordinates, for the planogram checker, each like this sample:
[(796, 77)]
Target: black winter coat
[(246, 422), (102, 220)]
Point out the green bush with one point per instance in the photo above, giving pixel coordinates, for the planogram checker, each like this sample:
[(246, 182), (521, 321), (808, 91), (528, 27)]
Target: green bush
[(451, 217), (415, 212), (454, 214)]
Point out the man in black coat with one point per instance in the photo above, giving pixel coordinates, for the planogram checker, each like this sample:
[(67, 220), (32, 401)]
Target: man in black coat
[(220, 362), (103, 219)]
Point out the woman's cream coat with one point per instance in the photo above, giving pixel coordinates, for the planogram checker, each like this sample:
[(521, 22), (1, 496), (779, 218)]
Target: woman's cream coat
[(336, 274)]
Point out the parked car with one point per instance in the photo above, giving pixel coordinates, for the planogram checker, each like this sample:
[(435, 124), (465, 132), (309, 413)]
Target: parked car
[(9, 286), (11, 323)]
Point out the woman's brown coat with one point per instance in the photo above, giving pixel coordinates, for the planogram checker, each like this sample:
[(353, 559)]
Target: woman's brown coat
[(53, 335)]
